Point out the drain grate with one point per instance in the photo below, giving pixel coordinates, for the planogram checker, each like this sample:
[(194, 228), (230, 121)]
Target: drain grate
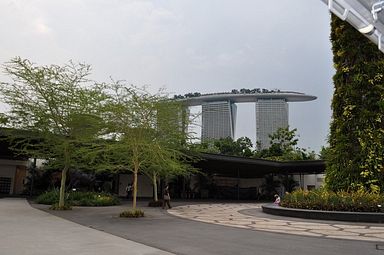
[(380, 247)]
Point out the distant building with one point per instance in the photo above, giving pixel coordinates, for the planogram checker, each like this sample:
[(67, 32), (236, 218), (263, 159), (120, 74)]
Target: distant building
[(218, 120), (219, 112), (271, 114)]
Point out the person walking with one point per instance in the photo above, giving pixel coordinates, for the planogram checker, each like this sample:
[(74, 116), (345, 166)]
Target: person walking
[(166, 198), (128, 190)]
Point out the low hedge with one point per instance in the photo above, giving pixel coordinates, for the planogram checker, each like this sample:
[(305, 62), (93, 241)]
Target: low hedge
[(132, 213), (78, 198), (321, 199)]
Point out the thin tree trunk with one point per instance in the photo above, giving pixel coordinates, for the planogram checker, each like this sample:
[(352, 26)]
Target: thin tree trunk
[(62, 187), (64, 176), (134, 189), (155, 186)]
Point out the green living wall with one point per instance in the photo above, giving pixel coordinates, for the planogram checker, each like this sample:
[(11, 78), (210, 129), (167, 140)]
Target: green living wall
[(357, 128)]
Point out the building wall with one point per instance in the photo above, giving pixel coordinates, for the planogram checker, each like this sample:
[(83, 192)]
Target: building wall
[(145, 186), (15, 171), (309, 181), (271, 114), (313, 181), (242, 182), (218, 120), (143, 183), (19, 180)]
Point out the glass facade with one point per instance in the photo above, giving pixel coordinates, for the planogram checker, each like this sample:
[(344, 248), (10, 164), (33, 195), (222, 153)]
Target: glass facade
[(271, 114), (218, 120)]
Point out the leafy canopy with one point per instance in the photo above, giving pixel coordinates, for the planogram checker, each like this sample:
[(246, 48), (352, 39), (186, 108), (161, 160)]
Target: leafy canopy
[(54, 112)]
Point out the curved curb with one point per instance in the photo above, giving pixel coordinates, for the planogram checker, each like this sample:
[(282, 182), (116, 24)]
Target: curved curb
[(323, 215)]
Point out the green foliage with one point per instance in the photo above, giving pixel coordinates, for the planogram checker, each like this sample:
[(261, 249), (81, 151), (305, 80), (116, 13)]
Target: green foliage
[(283, 147), (322, 199), (355, 156), (79, 198), (54, 113), (242, 147), (284, 138), (146, 134), (133, 213), (92, 199), (324, 153), (48, 197), (289, 183)]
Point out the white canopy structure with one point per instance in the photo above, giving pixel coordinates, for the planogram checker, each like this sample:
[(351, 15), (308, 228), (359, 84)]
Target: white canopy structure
[(367, 16)]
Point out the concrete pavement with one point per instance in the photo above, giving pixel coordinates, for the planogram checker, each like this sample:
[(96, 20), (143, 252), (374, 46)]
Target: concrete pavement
[(28, 231)]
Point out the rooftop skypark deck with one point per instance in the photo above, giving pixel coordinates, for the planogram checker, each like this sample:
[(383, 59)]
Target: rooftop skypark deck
[(239, 97)]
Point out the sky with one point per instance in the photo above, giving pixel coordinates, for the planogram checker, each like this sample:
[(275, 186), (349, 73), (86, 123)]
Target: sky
[(187, 46)]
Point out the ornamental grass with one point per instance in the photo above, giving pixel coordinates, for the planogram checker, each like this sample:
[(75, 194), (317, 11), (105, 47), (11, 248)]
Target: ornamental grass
[(132, 213)]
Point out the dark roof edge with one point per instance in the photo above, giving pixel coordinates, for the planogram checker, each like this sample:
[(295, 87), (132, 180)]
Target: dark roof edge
[(260, 161)]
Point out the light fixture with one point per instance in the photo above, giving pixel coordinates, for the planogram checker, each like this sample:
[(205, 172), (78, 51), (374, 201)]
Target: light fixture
[(368, 30), (362, 15)]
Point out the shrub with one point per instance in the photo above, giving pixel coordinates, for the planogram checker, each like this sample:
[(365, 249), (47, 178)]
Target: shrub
[(321, 199), (79, 198), (48, 197), (133, 213), (157, 203)]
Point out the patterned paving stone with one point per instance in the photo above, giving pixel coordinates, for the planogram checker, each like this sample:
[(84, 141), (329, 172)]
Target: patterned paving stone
[(332, 232), (378, 235), (228, 215), (377, 228), (276, 223), (364, 231), (322, 227), (305, 224), (349, 226), (282, 228)]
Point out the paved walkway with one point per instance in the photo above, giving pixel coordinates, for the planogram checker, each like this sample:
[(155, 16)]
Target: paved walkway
[(233, 215), (28, 231)]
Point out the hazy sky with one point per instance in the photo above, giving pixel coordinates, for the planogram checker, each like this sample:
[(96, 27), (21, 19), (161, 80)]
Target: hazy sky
[(187, 46)]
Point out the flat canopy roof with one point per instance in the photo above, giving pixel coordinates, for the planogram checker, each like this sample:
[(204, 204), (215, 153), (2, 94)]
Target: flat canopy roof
[(230, 166)]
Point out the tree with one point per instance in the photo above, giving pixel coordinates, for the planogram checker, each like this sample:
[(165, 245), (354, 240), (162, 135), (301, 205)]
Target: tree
[(147, 133), (242, 147), (53, 114), (288, 182), (284, 139), (245, 147), (283, 147), (355, 158)]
